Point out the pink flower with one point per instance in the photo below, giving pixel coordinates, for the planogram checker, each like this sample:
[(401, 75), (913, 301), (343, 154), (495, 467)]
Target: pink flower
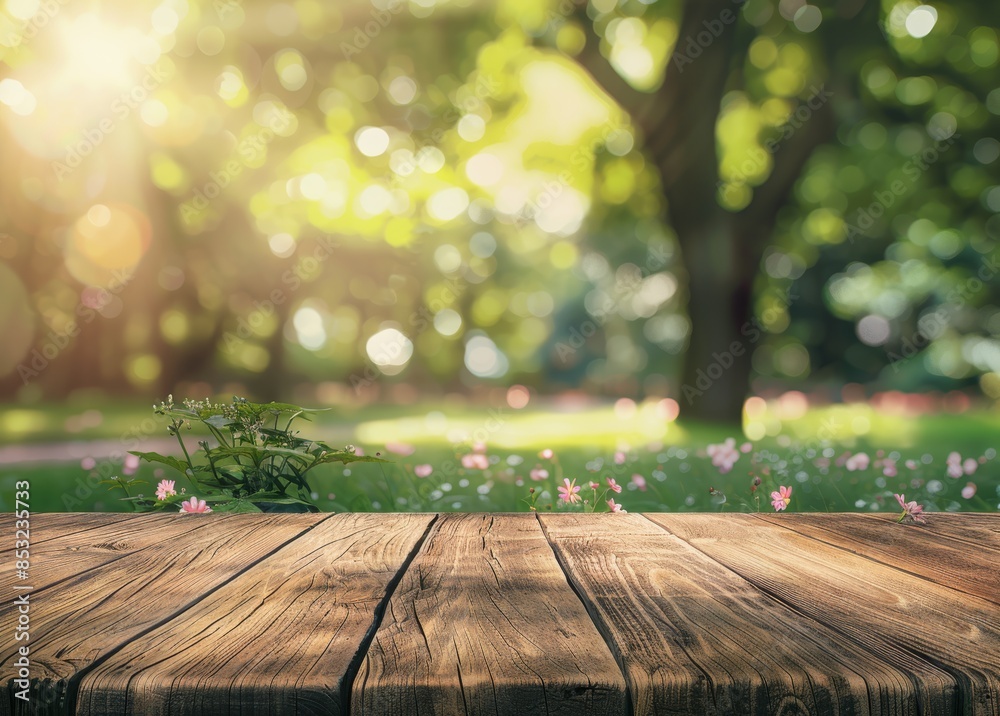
[(539, 473), (568, 490), (131, 464), (911, 464), (88, 463), (546, 454), (400, 448), (475, 461), (194, 505), (969, 465), (911, 510), (620, 458), (640, 482), (422, 470), (889, 468), (614, 485), (594, 485), (781, 497), (954, 471), (969, 491), (746, 447), (858, 461), (724, 455), (613, 507), (165, 489)]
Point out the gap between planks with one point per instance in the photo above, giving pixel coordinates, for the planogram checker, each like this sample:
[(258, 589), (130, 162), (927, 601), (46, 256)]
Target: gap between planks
[(903, 624), (394, 583), (337, 574), (379, 614), (67, 687), (668, 632), (594, 617), (485, 619), (73, 682)]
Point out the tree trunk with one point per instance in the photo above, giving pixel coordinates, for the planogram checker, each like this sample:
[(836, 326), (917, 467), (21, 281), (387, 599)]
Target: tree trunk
[(680, 130), (720, 268), (721, 251)]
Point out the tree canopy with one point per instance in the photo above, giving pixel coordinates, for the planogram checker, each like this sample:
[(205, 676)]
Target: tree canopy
[(697, 199)]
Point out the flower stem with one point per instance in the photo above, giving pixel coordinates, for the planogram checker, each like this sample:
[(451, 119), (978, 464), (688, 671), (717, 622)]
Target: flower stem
[(177, 433)]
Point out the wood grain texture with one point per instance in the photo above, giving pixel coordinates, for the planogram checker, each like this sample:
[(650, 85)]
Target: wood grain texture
[(56, 560), (85, 618), (277, 639), (695, 638), (48, 526), (788, 614), (978, 529), (892, 614), (484, 622), (919, 550)]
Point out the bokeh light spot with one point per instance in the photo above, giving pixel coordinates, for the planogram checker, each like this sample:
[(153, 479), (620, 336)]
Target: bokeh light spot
[(390, 350), (921, 21), (106, 244), (873, 330), (402, 90), (471, 127), (372, 141), (483, 359), (518, 397), (447, 322)]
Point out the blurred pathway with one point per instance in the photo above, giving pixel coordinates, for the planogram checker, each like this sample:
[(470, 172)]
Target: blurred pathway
[(77, 450)]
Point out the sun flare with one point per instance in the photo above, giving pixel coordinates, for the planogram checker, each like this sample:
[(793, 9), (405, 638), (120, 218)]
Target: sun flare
[(96, 55)]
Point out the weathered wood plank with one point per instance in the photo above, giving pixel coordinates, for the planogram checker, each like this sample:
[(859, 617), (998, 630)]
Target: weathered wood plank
[(56, 560), (91, 615), (695, 638), (48, 526), (920, 551), (889, 612), (977, 528), (279, 638), (485, 622)]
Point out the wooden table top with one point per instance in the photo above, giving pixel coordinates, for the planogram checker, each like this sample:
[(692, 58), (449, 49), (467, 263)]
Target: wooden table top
[(506, 614)]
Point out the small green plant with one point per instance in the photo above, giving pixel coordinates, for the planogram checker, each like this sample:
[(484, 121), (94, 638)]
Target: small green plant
[(256, 462)]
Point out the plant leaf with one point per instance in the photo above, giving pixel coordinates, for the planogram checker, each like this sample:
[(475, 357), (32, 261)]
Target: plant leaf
[(258, 454), (241, 504), (217, 421), (345, 458), (286, 408), (180, 465)]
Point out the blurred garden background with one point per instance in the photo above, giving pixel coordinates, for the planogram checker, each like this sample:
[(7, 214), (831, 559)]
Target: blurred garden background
[(582, 239)]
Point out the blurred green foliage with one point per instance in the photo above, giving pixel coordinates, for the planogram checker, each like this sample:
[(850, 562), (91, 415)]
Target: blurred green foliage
[(443, 195)]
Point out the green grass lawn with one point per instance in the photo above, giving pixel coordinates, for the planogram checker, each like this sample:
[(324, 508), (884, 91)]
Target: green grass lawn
[(665, 465)]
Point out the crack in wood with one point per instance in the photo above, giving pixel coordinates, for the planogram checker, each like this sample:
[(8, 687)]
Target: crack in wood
[(347, 682), (595, 617)]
